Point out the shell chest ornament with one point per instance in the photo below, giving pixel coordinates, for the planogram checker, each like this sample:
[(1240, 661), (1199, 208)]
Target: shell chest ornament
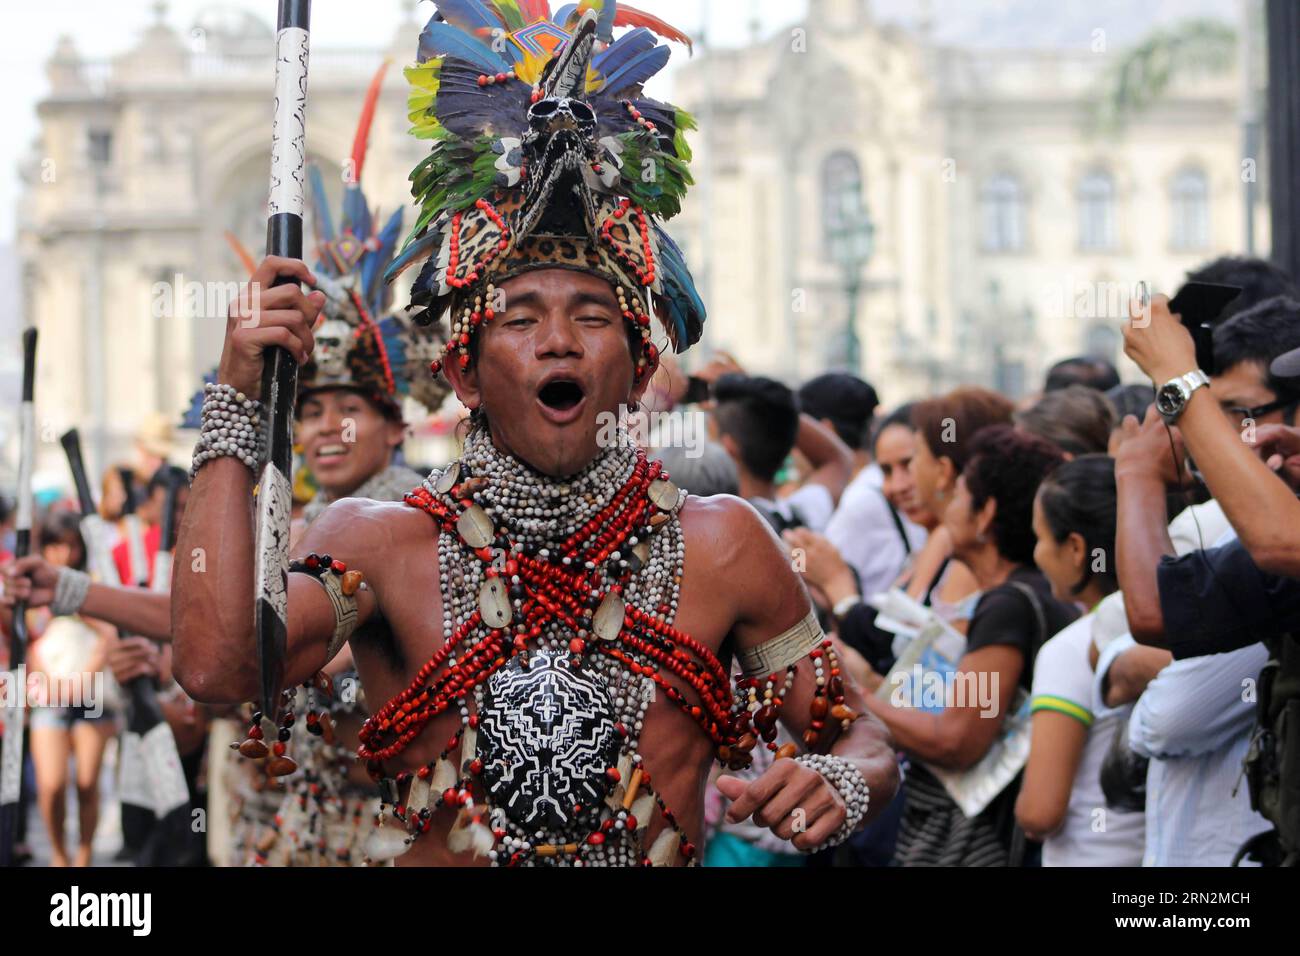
[(545, 740)]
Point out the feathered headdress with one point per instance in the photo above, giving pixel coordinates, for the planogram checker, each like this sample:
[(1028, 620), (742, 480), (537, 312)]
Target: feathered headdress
[(544, 153), (357, 346)]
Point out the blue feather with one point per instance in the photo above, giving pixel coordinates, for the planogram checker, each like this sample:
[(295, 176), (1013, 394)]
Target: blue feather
[(320, 206), (623, 49), (391, 333), (469, 15), (561, 16), (605, 21), (373, 290), (638, 69), (415, 250), (442, 39), (685, 307), (356, 214)]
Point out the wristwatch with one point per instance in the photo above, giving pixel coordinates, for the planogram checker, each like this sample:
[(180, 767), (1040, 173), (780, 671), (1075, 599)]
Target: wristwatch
[(1173, 396)]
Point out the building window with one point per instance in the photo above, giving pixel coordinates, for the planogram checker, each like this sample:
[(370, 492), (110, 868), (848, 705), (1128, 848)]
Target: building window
[(1097, 212), (1190, 210), (1003, 203), (99, 147), (1102, 342)]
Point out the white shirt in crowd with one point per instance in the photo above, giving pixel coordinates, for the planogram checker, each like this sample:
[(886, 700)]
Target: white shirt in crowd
[(1091, 834), (866, 535), (1195, 722)]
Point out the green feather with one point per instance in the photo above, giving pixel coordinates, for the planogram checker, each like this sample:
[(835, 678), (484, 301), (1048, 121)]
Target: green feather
[(511, 14)]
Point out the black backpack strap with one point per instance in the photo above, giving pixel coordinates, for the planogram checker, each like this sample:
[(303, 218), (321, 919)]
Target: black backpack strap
[(1018, 849), (898, 524), (1039, 614)]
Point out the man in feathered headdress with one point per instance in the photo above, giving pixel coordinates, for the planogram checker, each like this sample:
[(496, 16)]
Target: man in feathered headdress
[(549, 618), (349, 427)]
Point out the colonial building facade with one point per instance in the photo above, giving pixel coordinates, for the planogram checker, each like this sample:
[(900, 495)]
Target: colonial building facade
[(143, 163), (1003, 234)]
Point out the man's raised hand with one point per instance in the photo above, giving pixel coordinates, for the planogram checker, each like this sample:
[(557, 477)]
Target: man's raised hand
[(1151, 449), (794, 802), (264, 317), (1157, 341)]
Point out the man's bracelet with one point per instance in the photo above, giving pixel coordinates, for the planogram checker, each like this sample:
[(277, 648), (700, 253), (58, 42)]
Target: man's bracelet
[(69, 592), (231, 425), (849, 783)]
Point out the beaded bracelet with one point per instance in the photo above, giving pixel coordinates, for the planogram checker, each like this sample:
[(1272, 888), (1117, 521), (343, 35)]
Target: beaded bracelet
[(69, 592), (849, 783), (231, 425)]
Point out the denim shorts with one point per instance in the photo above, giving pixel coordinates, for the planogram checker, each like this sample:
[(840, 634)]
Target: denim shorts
[(62, 718)]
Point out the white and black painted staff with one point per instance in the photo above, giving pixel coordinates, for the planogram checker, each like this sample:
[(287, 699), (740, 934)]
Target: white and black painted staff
[(11, 750), (280, 370)]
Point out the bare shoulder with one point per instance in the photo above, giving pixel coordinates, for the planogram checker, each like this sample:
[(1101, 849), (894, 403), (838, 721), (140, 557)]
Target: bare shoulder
[(730, 530), (736, 552), (363, 527)]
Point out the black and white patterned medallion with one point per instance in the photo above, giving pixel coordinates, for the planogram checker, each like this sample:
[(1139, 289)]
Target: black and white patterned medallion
[(546, 738)]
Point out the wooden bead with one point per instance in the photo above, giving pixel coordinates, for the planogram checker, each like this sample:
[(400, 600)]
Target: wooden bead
[(351, 581), (281, 766), (253, 749)]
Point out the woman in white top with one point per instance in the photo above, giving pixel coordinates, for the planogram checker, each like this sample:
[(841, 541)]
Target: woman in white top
[(1061, 801)]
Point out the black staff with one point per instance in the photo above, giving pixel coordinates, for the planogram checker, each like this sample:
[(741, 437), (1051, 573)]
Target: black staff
[(11, 756), (151, 781), (143, 710), (280, 371)]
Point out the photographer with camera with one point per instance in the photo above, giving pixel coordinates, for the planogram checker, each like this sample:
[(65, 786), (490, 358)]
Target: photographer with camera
[(1199, 712)]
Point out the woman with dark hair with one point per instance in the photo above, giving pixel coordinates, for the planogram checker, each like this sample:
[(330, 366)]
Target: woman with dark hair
[(989, 517), (70, 653), (930, 575), (1072, 729), (1076, 419), (946, 428)]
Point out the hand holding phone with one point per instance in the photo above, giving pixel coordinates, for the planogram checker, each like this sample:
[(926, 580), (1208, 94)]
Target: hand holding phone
[(1199, 306)]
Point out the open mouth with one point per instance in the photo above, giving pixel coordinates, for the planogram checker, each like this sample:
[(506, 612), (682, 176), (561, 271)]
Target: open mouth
[(560, 395)]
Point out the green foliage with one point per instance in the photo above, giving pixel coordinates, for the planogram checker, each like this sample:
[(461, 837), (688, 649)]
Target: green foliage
[(1143, 74)]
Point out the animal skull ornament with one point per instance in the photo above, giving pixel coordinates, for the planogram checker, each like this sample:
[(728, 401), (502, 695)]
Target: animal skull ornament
[(331, 352), (552, 114)]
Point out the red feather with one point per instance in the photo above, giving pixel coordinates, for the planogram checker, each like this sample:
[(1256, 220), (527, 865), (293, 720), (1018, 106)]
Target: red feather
[(240, 251), (534, 10), (625, 16), (363, 125)]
